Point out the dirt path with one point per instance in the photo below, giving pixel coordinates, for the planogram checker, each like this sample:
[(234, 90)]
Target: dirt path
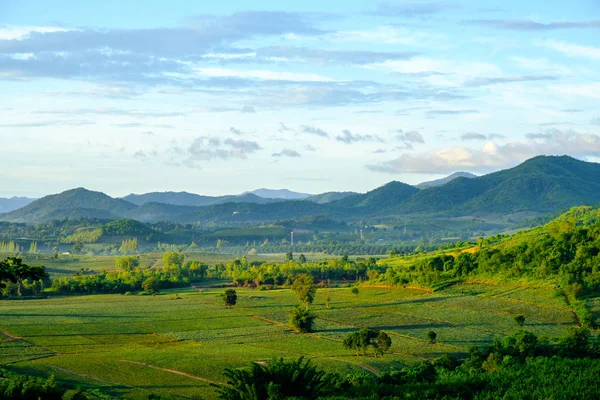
[(20, 339), (172, 371)]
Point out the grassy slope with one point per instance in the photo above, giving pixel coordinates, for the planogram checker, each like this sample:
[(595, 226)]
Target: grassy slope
[(131, 345)]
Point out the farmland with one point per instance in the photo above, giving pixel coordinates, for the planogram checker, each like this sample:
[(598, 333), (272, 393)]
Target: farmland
[(180, 341)]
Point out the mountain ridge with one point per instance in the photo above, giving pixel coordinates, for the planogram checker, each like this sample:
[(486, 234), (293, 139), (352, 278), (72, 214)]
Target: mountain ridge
[(542, 184)]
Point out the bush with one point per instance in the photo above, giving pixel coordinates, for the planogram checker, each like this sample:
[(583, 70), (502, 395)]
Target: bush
[(302, 319), (278, 379)]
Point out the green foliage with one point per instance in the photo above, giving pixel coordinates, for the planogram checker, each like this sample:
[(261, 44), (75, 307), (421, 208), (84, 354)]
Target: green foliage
[(13, 270), (129, 246), (305, 289), (302, 319), (361, 340), (278, 379), (151, 285), (355, 291), (229, 298), (129, 280), (520, 320), (431, 336), (171, 258), (128, 263)]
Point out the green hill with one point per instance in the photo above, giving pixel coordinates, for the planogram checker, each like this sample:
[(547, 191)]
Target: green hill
[(542, 184), (73, 203), (329, 197), (443, 181), (389, 195)]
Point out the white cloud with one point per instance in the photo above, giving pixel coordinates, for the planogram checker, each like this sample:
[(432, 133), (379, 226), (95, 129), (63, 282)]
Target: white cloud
[(590, 90), (541, 65), (439, 72), (20, 32), (391, 35), (572, 49), (261, 74), (493, 156)]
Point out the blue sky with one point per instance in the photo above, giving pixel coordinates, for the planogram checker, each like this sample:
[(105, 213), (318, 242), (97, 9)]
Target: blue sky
[(314, 96)]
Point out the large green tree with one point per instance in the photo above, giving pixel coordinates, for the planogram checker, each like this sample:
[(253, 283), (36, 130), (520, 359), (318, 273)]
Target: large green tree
[(13, 270), (305, 289)]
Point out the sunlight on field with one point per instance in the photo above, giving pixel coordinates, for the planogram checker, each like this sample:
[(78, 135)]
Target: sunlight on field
[(133, 345)]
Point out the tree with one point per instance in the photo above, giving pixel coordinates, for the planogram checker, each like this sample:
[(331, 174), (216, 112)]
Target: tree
[(431, 335), (355, 291), (361, 340), (305, 289), (172, 258), (520, 320), (150, 285), (302, 319), (384, 342), (77, 248), (129, 245), (13, 270), (289, 256), (277, 379), (229, 298), (128, 263), (302, 259)]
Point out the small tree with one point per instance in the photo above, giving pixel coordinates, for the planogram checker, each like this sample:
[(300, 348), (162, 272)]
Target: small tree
[(361, 340), (150, 285), (229, 298), (520, 320), (128, 263), (384, 342), (302, 319), (327, 302), (431, 335), (355, 291), (302, 259), (289, 256), (305, 289)]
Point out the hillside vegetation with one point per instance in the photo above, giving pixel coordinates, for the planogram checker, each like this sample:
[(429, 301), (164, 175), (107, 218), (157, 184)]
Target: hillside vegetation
[(540, 185)]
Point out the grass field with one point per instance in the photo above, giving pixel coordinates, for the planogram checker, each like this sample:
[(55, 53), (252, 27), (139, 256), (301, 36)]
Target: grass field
[(131, 346)]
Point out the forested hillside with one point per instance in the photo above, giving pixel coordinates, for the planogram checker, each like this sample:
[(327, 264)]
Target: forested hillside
[(538, 186)]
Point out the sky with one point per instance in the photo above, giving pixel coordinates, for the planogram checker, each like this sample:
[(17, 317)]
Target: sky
[(223, 97)]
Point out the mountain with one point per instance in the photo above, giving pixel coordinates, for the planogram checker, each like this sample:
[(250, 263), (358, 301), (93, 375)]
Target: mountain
[(542, 184), (443, 181), (389, 195), (190, 199), (283, 194), (71, 204), (14, 203), (329, 197)]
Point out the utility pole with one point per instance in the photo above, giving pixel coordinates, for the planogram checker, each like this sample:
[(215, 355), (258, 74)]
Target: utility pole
[(361, 235), (292, 235)]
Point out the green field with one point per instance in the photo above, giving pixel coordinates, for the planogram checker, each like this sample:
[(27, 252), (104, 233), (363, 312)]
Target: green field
[(131, 346)]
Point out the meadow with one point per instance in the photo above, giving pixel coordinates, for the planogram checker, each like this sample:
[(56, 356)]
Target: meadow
[(179, 342)]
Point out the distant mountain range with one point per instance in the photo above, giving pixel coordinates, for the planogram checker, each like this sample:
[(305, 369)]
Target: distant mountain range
[(14, 203), (443, 181), (542, 184), (193, 200), (282, 194)]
